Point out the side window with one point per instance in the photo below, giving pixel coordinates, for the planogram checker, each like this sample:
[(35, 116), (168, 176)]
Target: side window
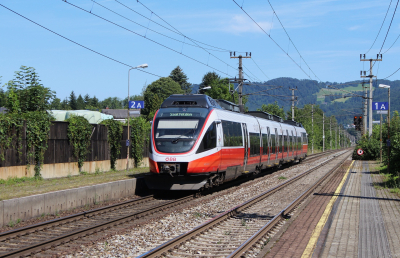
[(265, 143), (232, 133), (209, 140), (273, 143), (254, 144)]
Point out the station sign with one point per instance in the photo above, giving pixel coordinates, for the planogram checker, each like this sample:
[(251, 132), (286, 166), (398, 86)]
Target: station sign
[(380, 105), (136, 104)]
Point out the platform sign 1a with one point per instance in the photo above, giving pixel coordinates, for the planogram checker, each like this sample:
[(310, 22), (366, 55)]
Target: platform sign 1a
[(136, 104), (380, 106)]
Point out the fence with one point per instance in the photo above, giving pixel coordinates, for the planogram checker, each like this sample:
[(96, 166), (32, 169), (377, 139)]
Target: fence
[(59, 148)]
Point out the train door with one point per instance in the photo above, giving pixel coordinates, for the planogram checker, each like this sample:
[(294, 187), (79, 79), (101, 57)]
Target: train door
[(220, 140), (269, 144), (293, 144), (246, 145), (277, 144), (288, 143)]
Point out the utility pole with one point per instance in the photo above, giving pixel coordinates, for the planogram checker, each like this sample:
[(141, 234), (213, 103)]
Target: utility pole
[(370, 87), (340, 144), (330, 131), (293, 89), (312, 126), (323, 131), (336, 135), (380, 129), (240, 80)]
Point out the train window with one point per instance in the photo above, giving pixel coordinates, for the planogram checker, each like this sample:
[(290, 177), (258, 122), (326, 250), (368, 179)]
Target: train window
[(254, 144), (209, 140), (232, 133), (299, 143), (273, 143), (265, 143)]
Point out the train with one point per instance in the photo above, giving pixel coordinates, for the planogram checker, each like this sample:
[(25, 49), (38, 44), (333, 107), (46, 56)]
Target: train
[(197, 142)]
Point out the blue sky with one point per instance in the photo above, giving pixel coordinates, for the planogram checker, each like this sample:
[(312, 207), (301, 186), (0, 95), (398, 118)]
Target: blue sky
[(329, 34)]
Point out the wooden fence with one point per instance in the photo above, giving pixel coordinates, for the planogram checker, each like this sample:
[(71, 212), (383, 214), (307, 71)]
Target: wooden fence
[(60, 150)]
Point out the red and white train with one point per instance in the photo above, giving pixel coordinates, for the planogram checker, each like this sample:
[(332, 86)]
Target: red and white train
[(195, 143)]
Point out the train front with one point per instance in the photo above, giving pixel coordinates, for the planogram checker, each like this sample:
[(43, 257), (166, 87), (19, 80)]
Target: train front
[(180, 138)]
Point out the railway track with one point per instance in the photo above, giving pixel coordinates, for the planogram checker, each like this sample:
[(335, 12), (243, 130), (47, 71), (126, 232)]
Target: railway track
[(236, 231), (40, 237), (48, 235)]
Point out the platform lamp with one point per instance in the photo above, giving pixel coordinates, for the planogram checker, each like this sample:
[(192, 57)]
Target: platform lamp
[(128, 141), (387, 87)]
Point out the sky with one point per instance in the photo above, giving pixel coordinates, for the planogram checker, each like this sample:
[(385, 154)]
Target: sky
[(97, 42)]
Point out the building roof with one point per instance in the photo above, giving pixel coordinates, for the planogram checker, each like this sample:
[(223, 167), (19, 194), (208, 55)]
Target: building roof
[(121, 113), (3, 110)]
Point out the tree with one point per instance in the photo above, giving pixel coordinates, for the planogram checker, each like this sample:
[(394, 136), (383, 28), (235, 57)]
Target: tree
[(112, 103), (30, 93), (80, 103), (273, 109), (87, 100), (56, 104), (94, 102), (65, 105), (180, 77), (208, 78), (72, 101), (156, 93)]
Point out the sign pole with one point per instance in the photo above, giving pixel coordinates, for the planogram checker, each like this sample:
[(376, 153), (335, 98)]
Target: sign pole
[(381, 139)]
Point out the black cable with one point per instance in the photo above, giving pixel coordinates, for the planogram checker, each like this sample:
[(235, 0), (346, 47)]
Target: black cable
[(147, 28), (183, 34), (94, 51), (380, 28), (259, 68), (290, 40), (100, 17), (220, 49)]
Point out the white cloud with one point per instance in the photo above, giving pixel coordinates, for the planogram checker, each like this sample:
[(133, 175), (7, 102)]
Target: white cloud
[(354, 27)]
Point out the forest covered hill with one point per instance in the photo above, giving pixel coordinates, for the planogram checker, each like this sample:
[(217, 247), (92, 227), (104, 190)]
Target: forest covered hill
[(339, 99)]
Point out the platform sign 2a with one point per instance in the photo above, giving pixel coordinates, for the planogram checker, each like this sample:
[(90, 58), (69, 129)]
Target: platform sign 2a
[(380, 105), (136, 104)]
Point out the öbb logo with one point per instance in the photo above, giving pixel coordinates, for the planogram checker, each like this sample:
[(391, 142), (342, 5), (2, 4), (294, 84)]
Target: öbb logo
[(170, 159)]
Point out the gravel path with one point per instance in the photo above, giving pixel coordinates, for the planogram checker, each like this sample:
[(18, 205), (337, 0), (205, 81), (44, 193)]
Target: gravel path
[(143, 238)]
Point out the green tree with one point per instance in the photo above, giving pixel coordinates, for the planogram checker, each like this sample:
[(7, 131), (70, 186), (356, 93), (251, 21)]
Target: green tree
[(94, 102), (112, 103), (180, 77), (56, 104), (31, 94), (72, 101), (80, 103), (87, 100), (156, 93), (273, 109), (65, 105), (208, 78)]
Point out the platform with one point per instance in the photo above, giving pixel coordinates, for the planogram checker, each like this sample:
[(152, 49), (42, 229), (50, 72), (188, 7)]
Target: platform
[(353, 217)]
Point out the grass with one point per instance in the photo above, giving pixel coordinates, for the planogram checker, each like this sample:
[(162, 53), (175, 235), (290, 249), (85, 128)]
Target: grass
[(25, 186), (390, 181), (326, 91), (282, 178)]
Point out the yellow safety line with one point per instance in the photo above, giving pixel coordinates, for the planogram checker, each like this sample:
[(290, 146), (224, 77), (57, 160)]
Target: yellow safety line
[(317, 231)]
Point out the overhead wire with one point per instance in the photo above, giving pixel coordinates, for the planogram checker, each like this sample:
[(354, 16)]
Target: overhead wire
[(183, 34), (387, 11), (70, 40), (147, 28), (221, 49), (160, 44)]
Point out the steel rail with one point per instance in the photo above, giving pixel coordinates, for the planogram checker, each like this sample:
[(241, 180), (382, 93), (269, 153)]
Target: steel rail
[(176, 242), (246, 246), (50, 243)]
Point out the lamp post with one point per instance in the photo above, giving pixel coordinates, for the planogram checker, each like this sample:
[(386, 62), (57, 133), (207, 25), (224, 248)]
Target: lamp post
[(128, 141), (387, 87)]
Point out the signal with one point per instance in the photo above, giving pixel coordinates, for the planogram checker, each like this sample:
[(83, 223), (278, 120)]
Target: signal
[(358, 122)]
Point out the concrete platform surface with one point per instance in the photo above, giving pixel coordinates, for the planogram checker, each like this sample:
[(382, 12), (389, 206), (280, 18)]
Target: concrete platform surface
[(25, 208), (362, 219)]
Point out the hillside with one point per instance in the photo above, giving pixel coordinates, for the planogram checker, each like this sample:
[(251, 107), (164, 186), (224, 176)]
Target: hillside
[(308, 91)]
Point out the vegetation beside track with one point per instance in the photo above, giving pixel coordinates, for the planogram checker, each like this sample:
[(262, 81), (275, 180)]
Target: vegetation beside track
[(20, 187)]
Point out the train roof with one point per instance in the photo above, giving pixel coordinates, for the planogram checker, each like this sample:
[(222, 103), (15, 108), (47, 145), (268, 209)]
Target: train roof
[(204, 101), (190, 100)]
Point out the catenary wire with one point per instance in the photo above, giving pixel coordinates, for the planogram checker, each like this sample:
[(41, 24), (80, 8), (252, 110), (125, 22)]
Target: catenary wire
[(221, 49), (70, 40), (147, 28), (387, 11), (184, 35), (160, 44)]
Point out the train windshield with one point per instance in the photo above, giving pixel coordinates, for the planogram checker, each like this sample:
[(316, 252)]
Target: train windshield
[(176, 129)]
